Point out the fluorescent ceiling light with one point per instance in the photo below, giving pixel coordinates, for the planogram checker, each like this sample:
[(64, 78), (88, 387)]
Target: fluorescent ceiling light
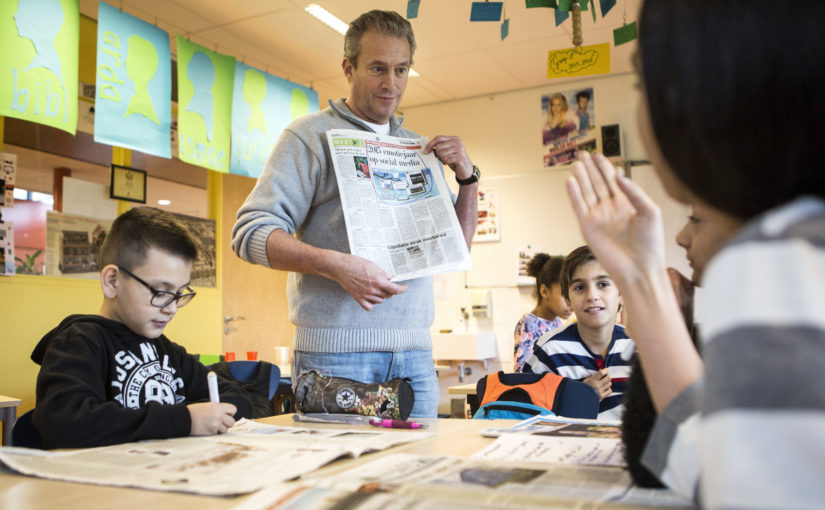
[(163, 201), (330, 20), (327, 18)]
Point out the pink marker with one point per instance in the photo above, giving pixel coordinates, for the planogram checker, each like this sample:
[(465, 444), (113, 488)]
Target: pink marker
[(397, 424)]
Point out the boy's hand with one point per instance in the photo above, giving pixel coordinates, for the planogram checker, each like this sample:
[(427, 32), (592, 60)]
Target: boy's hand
[(601, 382), (211, 418)]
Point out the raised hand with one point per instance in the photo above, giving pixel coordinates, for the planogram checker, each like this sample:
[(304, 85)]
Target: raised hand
[(621, 224)]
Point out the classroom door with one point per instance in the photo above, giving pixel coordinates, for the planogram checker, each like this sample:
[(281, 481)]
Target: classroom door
[(254, 297)]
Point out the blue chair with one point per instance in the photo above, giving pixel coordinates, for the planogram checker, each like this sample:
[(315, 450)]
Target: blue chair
[(279, 395), (25, 434)]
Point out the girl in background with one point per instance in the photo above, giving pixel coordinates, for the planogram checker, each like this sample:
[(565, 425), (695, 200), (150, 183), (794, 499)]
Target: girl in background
[(550, 311)]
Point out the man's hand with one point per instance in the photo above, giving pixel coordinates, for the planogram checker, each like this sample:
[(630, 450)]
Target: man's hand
[(450, 151), (211, 418), (601, 382), (365, 281)]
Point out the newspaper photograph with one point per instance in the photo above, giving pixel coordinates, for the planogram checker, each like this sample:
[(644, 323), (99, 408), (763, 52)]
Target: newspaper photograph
[(248, 457), (397, 206)]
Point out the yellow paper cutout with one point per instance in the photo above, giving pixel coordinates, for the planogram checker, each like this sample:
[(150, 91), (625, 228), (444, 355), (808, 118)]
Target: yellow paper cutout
[(581, 61)]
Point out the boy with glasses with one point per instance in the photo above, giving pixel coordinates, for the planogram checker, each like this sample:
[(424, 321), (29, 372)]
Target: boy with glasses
[(113, 377)]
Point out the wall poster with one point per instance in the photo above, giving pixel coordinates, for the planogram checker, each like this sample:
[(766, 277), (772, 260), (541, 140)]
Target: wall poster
[(569, 125), (488, 228)]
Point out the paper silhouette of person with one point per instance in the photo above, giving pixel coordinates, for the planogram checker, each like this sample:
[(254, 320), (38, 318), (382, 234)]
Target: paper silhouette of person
[(254, 92), (299, 105), (201, 73), (141, 66), (39, 21)]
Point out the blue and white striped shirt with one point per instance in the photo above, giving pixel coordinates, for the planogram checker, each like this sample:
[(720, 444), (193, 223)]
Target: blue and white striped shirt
[(565, 353)]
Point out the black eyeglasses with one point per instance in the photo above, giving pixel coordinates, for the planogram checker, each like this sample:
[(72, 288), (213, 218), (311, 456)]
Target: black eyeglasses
[(162, 298)]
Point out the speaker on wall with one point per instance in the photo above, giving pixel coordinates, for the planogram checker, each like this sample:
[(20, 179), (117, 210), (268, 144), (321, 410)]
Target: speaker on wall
[(611, 144)]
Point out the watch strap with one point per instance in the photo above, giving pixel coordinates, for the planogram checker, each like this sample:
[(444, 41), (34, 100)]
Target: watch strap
[(471, 179)]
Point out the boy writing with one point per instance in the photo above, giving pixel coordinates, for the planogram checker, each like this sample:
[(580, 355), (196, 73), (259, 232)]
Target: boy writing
[(589, 350), (113, 377)]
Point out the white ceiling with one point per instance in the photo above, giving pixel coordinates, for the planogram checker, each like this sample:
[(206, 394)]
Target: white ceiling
[(455, 58)]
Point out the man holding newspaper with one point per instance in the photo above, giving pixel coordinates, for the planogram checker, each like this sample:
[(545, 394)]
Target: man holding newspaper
[(350, 319)]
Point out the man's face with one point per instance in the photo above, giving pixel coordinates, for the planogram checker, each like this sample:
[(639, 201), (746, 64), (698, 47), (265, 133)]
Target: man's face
[(583, 103), (377, 84), (593, 296), (703, 235)]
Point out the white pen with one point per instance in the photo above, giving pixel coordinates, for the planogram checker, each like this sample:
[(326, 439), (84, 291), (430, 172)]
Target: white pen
[(212, 380)]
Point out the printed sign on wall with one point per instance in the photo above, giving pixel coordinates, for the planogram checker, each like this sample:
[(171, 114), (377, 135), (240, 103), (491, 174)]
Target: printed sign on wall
[(133, 104), (262, 106), (204, 105), (38, 61)]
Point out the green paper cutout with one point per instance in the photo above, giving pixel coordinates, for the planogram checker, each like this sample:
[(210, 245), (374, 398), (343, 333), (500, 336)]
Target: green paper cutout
[(624, 34), (565, 5), (505, 29), (254, 92), (532, 4), (299, 105)]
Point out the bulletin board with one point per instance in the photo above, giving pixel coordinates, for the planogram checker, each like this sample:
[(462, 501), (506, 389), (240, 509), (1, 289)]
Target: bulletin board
[(535, 211)]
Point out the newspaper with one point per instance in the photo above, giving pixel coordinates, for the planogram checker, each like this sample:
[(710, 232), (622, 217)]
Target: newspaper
[(401, 481), (545, 423), (397, 207), (250, 456)]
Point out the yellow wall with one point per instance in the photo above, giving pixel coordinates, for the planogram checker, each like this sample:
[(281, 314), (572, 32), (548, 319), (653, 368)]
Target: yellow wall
[(32, 305)]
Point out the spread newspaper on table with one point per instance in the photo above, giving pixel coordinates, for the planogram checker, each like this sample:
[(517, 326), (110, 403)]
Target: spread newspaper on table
[(248, 457), (557, 440), (397, 207), (420, 482)]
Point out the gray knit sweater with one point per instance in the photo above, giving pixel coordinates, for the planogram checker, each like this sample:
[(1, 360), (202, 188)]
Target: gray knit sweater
[(297, 192)]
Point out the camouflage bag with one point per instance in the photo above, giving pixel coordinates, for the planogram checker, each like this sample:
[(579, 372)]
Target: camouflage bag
[(316, 393)]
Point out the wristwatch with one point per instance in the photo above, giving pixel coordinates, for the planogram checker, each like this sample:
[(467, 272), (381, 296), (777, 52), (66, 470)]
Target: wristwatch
[(471, 179)]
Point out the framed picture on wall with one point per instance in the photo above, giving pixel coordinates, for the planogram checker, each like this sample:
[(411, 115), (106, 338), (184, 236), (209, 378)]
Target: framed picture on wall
[(128, 184)]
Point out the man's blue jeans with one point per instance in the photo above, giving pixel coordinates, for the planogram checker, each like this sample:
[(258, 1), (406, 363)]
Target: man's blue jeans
[(373, 367)]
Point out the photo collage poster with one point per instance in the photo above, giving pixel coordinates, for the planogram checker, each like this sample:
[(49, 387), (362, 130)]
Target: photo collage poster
[(568, 125), (489, 222)]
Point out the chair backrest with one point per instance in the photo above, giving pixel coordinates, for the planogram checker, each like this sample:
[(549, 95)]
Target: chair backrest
[(579, 400), (25, 434), (247, 370)]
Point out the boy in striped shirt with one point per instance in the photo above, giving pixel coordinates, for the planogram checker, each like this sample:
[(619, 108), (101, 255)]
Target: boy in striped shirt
[(590, 349)]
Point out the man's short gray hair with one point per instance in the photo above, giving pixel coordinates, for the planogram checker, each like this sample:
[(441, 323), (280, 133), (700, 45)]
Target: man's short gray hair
[(384, 22)]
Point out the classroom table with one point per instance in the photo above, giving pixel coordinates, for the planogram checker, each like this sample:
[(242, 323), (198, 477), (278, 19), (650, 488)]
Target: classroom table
[(453, 437), (8, 414)]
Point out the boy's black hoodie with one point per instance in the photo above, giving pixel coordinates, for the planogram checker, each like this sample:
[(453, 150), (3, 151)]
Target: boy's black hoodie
[(100, 384)]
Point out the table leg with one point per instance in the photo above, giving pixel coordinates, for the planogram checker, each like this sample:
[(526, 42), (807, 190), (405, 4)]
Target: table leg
[(9, 414)]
